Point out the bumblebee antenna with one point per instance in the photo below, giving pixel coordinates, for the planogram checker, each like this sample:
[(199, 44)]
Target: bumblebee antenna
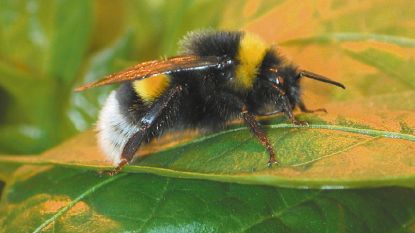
[(308, 74)]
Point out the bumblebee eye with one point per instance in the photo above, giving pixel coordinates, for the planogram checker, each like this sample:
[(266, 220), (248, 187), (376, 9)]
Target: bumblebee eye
[(273, 69)]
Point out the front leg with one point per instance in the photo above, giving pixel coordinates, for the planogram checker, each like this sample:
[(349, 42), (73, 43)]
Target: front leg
[(287, 108), (257, 131), (289, 112), (303, 108)]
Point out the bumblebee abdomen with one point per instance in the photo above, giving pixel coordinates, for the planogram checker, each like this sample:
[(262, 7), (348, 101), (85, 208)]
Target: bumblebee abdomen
[(114, 128), (151, 88)]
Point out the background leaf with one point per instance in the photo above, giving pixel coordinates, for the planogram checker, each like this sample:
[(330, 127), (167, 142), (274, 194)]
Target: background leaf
[(49, 41)]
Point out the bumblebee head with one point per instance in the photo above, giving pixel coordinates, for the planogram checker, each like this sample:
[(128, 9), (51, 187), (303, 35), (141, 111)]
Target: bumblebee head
[(277, 80), (284, 81), (286, 78)]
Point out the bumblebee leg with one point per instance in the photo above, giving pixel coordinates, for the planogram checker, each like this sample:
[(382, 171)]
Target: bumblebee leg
[(148, 120), (289, 113), (303, 108), (287, 107), (257, 131)]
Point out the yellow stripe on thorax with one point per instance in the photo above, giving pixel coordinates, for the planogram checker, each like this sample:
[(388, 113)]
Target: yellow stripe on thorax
[(250, 55), (150, 89)]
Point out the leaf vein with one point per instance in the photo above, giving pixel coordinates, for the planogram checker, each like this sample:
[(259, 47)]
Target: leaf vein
[(89, 191), (160, 200), (278, 214), (336, 152)]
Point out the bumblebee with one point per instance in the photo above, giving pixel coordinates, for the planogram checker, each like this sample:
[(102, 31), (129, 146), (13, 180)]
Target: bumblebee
[(219, 76)]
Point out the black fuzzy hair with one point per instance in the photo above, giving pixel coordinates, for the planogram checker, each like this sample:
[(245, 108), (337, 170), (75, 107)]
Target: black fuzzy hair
[(211, 43)]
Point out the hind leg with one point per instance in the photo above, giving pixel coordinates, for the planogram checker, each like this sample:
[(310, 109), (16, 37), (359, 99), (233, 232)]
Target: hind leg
[(158, 110)]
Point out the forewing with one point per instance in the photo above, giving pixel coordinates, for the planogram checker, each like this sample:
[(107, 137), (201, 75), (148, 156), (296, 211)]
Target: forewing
[(156, 67)]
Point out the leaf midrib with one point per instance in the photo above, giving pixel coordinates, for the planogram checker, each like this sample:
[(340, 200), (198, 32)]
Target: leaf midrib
[(363, 131), (38, 160), (259, 178)]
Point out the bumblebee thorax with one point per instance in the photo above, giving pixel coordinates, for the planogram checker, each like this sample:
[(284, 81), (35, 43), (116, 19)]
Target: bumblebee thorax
[(250, 54)]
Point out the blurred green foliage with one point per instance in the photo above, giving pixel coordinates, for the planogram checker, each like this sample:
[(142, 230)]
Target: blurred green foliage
[(48, 47)]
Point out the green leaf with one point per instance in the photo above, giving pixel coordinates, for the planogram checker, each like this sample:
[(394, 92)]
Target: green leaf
[(341, 149), (70, 200)]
